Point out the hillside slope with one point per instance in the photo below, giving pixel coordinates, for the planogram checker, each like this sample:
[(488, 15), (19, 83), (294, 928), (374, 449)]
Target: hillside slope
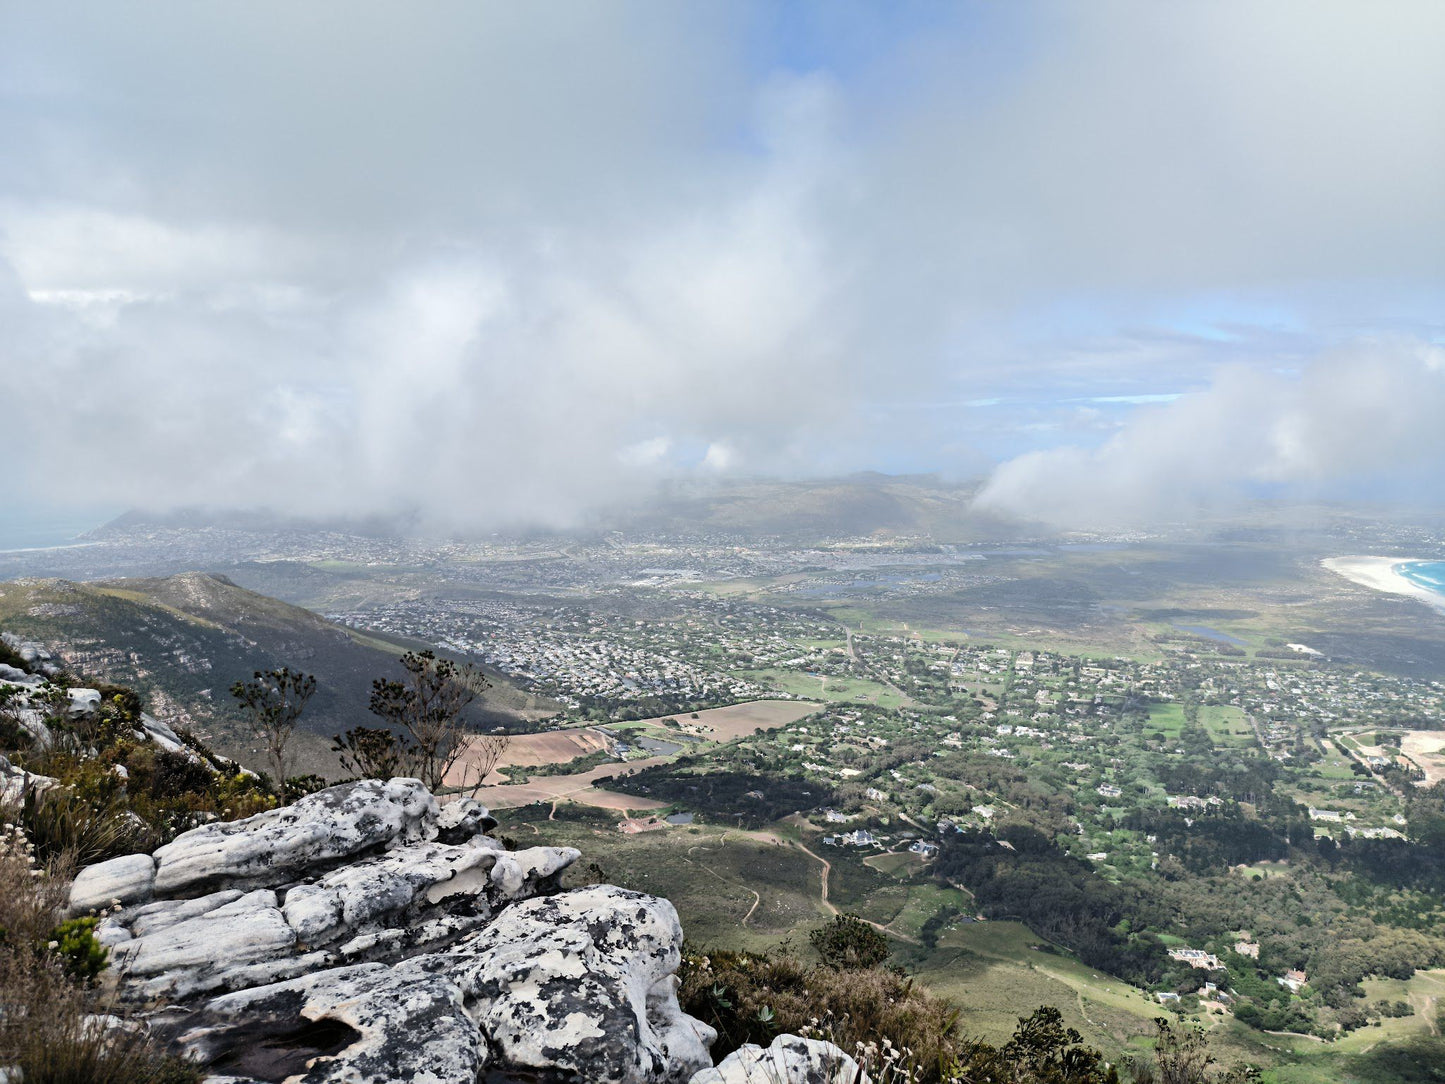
[(182, 640)]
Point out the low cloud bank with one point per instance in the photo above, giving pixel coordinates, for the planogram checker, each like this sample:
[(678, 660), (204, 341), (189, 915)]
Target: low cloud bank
[(1365, 421)]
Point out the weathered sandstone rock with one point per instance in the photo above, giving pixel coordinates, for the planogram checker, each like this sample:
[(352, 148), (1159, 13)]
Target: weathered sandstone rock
[(329, 825), (14, 781), (129, 879), (367, 935), (791, 1059)]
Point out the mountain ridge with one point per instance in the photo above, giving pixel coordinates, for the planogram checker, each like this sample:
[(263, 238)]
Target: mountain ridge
[(183, 640)]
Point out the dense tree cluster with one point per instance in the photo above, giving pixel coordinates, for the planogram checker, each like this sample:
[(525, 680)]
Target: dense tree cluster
[(747, 799), (1021, 874)]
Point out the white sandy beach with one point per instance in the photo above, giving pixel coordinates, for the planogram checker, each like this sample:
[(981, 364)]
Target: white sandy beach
[(1380, 574)]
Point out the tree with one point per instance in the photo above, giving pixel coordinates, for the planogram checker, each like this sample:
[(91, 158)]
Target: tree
[(1045, 1051), (272, 701), (427, 705), (848, 943), (479, 755), (372, 752), (1183, 1057)]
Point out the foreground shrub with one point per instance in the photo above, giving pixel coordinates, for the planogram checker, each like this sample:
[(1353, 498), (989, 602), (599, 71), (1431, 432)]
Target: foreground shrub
[(54, 1027), (61, 823), (80, 955), (848, 942), (897, 1030), (752, 998), (57, 1032)]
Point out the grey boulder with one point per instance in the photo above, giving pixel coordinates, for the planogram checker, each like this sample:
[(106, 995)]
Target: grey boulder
[(791, 1059), (127, 879), (324, 827)]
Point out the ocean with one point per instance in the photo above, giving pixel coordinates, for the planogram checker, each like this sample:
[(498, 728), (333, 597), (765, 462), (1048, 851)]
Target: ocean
[(1427, 574), (41, 528)]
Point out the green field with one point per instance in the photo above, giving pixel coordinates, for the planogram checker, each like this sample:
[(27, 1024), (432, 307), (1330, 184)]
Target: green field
[(1168, 718), (1001, 971), (835, 690), (1226, 724)]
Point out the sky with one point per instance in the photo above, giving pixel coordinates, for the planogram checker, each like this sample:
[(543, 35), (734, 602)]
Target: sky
[(504, 263)]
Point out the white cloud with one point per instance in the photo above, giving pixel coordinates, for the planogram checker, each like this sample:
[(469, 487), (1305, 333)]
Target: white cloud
[(481, 259), (719, 457), (646, 453), (1361, 421)]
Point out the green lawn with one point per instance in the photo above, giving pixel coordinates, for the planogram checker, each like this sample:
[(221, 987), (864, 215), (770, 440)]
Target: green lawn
[(1167, 717), (1226, 724), (999, 972)]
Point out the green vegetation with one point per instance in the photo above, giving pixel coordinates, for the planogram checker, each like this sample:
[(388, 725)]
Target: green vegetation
[(271, 703), (848, 943), (1061, 738), (173, 640), (427, 707), (48, 999)]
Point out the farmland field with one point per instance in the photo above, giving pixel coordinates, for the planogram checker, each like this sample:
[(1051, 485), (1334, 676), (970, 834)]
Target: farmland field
[(577, 788), (739, 720), (550, 747)]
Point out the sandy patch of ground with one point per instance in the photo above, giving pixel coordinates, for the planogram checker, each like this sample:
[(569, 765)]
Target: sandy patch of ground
[(530, 751), (1427, 749), (576, 788), (551, 747), (737, 720), (633, 825)]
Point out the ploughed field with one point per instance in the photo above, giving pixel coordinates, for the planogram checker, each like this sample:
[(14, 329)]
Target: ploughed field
[(707, 727)]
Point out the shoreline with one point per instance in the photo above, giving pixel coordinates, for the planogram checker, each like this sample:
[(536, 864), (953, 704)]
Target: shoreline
[(1381, 574), (48, 549)]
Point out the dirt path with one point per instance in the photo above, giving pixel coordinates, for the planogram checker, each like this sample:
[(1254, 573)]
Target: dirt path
[(823, 888), (832, 908), (757, 899)]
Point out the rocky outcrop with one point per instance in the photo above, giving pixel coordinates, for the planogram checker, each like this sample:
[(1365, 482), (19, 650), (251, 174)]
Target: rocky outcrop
[(13, 675), (366, 934), (36, 656), (15, 781), (790, 1059), (331, 825)]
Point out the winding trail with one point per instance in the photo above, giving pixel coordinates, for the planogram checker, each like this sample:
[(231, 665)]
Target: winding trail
[(832, 908), (756, 900), (823, 887)]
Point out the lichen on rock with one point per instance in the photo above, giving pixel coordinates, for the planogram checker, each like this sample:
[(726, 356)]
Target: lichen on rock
[(369, 934)]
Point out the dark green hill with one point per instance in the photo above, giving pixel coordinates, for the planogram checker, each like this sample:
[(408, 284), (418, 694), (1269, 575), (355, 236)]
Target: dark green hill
[(182, 640)]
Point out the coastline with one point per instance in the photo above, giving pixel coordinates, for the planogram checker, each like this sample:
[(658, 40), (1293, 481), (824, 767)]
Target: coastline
[(1381, 574)]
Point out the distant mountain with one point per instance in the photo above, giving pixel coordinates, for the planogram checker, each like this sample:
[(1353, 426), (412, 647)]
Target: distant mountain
[(255, 520), (182, 640), (860, 504)]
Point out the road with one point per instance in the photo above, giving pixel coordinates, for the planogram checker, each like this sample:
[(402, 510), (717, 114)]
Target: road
[(823, 888)]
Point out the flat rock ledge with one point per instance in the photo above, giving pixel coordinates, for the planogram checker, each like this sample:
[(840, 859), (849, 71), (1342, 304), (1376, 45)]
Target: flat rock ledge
[(368, 935)]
